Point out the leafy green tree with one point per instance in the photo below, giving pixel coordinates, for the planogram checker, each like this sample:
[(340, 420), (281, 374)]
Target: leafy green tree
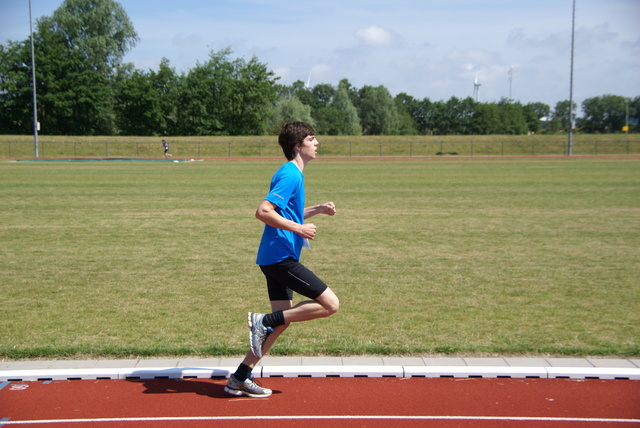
[(423, 116), (300, 91), (408, 108), (100, 30), (634, 114), (254, 96), (16, 96), (224, 97), (73, 99), (323, 93), (206, 88), (453, 117), (464, 114), (377, 111), (534, 114), (338, 116), (512, 119), (289, 110), (560, 117), (606, 113), (486, 120), (76, 51), (348, 120), (167, 85), (138, 104)]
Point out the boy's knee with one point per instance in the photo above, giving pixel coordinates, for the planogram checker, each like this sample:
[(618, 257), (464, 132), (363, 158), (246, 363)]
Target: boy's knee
[(333, 306)]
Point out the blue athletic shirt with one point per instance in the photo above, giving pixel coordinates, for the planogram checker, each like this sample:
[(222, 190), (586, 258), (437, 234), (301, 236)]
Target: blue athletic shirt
[(286, 192)]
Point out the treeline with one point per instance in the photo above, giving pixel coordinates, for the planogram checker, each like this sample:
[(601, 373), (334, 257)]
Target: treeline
[(83, 88)]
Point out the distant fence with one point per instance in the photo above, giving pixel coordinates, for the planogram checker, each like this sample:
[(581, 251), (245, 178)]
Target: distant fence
[(535, 147)]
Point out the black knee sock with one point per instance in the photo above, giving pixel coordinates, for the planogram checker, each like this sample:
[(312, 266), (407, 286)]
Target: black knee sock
[(274, 319), (243, 372)]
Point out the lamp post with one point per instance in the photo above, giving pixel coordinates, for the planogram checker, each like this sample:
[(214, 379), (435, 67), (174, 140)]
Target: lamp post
[(33, 82), (573, 26), (626, 128)]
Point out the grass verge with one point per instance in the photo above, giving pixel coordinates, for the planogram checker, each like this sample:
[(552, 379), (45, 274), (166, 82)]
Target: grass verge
[(512, 257)]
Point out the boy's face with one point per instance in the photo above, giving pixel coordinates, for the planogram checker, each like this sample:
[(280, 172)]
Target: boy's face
[(309, 147)]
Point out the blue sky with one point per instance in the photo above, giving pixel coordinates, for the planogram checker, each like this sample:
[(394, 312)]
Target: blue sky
[(426, 48)]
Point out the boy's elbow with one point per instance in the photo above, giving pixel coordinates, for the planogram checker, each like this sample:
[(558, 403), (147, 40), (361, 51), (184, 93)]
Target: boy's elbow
[(261, 215), (263, 211)]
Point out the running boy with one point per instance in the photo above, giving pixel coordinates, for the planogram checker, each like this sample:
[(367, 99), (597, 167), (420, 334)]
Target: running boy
[(165, 145), (285, 233)]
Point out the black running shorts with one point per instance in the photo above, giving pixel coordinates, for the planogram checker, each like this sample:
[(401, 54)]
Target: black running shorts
[(289, 275)]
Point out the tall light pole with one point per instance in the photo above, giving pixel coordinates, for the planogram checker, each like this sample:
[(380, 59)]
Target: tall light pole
[(33, 82), (573, 28), (510, 83), (626, 127)]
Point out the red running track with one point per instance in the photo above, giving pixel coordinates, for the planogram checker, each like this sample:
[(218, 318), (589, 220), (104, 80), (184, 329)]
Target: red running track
[(321, 402)]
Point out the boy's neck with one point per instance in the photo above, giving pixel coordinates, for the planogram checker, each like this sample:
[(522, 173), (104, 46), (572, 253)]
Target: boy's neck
[(300, 163)]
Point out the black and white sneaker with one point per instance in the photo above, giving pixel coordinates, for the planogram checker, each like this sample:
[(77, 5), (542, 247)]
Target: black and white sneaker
[(258, 333), (249, 388)]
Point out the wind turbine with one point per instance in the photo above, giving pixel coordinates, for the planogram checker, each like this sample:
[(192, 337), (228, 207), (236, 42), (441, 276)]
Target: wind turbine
[(308, 84), (476, 88), (510, 82)]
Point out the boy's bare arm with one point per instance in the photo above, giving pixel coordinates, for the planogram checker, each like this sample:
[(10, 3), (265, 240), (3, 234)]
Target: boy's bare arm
[(267, 214), (328, 208)]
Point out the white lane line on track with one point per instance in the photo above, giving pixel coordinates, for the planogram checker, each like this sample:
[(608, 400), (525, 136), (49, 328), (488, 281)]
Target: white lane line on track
[(336, 417)]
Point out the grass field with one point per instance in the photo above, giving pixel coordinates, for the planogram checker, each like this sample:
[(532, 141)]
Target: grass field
[(511, 256)]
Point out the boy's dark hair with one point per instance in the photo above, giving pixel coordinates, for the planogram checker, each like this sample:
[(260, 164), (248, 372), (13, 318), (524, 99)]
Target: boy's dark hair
[(293, 134)]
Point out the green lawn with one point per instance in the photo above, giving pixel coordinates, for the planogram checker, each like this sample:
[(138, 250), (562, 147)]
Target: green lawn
[(522, 256)]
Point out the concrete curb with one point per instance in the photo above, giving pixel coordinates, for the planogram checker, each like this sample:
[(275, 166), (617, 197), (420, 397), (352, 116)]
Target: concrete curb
[(541, 368)]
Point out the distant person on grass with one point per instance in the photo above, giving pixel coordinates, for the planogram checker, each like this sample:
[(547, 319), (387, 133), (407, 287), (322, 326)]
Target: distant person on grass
[(285, 233), (166, 149)]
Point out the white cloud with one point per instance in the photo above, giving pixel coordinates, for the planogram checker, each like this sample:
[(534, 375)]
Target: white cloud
[(376, 37)]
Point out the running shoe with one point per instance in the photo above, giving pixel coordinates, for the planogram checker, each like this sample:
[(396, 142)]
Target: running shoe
[(258, 333), (249, 388)]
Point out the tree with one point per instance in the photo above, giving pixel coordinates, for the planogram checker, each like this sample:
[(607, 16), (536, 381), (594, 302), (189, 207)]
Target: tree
[(253, 95), (138, 104), (634, 114), (511, 118), (486, 120), (534, 113), (76, 51), (606, 113), (73, 99), (560, 116), (289, 110), (167, 85), (453, 117), (323, 93), (99, 30), (408, 107), (423, 116), (300, 91), (348, 120), (338, 116), (15, 88), (224, 97), (377, 111)]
